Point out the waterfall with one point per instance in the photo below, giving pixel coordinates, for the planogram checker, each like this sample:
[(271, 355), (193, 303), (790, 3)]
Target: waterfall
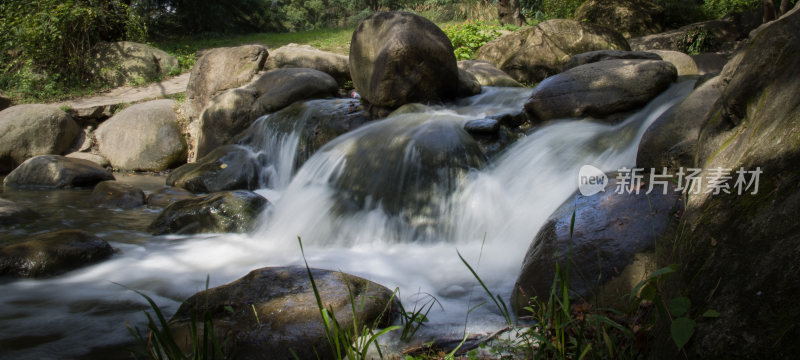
[(487, 210)]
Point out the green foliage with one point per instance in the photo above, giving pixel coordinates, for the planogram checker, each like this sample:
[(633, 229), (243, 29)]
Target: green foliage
[(468, 37), (720, 8), (674, 311), (46, 45), (412, 320), (696, 41), (160, 343), (678, 13)]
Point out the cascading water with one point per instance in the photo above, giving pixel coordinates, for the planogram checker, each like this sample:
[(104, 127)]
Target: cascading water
[(488, 214)]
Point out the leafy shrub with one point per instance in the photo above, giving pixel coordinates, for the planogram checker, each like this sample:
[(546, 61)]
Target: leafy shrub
[(696, 41), (45, 45), (720, 8), (468, 37)]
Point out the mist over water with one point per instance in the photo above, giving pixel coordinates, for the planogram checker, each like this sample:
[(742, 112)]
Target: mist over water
[(488, 214)]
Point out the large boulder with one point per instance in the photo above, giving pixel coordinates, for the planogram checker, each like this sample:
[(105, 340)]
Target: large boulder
[(168, 195), (55, 171), (612, 231), (12, 213), (671, 141), (126, 62), (421, 159), (272, 313), (740, 249), (398, 58), (95, 158), (52, 253), (603, 55), (30, 130), (533, 53), (629, 17), (115, 194), (306, 56), (600, 89), (315, 122), (487, 74), (222, 212), (143, 137), (221, 69), (235, 110), (229, 167)]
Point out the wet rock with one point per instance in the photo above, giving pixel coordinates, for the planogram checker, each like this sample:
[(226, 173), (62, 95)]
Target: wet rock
[(305, 56), (221, 212), (600, 89), (235, 110), (487, 74), (629, 17), (611, 232), (167, 196), (468, 84), (126, 62), (421, 159), (398, 58), (671, 141), (271, 313), (316, 122), (52, 253), (602, 55), (533, 53), (230, 167), (30, 130), (482, 126), (55, 171), (143, 137), (114, 194), (12, 213), (221, 69)]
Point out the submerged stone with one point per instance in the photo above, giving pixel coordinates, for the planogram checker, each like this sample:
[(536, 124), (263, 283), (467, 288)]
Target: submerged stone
[(52, 253)]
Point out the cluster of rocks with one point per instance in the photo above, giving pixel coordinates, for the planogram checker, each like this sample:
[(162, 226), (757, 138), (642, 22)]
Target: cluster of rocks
[(581, 69)]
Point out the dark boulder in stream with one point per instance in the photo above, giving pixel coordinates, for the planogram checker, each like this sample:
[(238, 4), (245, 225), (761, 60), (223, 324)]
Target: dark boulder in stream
[(271, 313), (230, 167), (227, 211), (52, 253), (422, 159), (610, 249), (55, 171), (398, 58), (115, 194)]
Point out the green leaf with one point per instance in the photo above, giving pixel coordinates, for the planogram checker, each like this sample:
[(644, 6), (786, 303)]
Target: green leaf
[(661, 272), (679, 306), (711, 313), (648, 292), (682, 330)]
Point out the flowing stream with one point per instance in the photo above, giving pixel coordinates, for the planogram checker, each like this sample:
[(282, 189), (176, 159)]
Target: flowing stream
[(489, 215)]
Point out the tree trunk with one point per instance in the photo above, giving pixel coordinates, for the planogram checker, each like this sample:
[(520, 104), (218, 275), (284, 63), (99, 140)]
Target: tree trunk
[(767, 10), (786, 5), (508, 11)]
